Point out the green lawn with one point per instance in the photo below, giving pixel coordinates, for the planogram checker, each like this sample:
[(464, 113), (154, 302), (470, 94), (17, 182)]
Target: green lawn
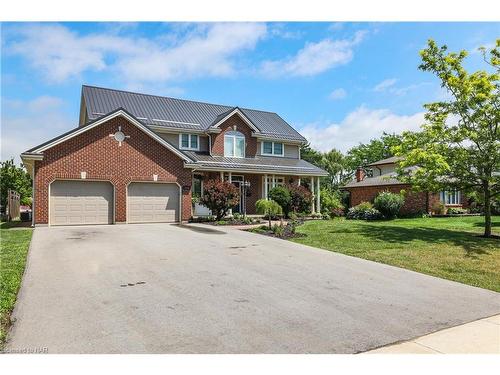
[(445, 247), (14, 245)]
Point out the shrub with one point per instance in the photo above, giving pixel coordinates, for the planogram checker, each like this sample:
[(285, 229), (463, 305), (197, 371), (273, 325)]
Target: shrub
[(330, 201), (363, 211), (457, 211), (389, 204), (326, 216), (337, 212), (219, 197), (439, 208), (269, 208), (281, 195), (301, 198), (278, 230)]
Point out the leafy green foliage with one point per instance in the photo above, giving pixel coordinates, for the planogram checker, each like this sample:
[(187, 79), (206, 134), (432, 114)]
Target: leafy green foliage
[(219, 197), (15, 178), (363, 211), (269, 208), (281, 195), (376, 149), (458, 146), (389, 204), (331, 202)]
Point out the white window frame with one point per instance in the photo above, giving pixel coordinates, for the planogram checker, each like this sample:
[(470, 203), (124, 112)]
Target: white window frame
[(272, 153), (189, 142), (234, 137), (278, 181), (445, 195)]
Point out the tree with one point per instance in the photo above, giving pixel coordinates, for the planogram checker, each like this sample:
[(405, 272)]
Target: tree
[(373, 151), (15, 178), (268, 207), (311, 155), (281, 195), (219, 197), (338, 167), (459, 145)]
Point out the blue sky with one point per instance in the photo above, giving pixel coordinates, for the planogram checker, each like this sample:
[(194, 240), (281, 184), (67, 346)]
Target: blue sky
[(337, 83)]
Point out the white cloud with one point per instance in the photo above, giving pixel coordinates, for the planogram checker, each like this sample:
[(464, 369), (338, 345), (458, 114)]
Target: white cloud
[(359, 126), (60, 53), (337, 94), (26, 124), (314, 58), (385, 84)]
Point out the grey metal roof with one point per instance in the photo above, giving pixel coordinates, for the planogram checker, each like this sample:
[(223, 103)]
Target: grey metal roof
[(385, 179), (391, 160), (258, 163), (178, 113)]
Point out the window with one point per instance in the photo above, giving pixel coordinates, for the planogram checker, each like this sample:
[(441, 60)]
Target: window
[(234, 144), (189, 141), (278, 181), (450, 197), (197, 187), (272, 148)]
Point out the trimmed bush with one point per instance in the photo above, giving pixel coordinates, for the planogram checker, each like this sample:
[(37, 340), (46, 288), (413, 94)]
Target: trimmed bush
[(219, 197), (457, 211), (363, 211), (330, 203), (281, 195), (301, 198), (389, 204)]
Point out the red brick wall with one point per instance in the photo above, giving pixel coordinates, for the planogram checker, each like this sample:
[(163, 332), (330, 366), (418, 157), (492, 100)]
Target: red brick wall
[(414, 202), (241, 126), (94, 152)]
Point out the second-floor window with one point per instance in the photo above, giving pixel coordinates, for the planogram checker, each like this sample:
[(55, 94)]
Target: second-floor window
[(234, 144), (189, 141), (272, 148)]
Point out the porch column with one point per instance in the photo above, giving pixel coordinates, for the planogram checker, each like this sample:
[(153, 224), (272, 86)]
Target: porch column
[(230, 179), (312, 191), (222, 176), (265, 186), (298, 182), (318, 201), (274, 181)]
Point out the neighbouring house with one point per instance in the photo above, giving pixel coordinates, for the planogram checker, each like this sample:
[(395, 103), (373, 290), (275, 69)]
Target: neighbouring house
[(137, 158), (380, 176)]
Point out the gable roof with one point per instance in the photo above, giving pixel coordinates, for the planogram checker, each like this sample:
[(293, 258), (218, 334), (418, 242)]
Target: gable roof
[(37, 150), (179, 113), (391, 160)]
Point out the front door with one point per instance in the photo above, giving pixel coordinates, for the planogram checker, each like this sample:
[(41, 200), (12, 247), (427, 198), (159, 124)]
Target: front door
[(238, 181)]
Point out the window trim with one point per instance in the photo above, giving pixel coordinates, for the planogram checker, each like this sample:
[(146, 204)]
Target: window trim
[(443, 195), (234, 136), (272, 154), (189, 142)]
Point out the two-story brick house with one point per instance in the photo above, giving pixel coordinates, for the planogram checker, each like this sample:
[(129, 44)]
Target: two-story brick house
[(140, 158), (381, 175)]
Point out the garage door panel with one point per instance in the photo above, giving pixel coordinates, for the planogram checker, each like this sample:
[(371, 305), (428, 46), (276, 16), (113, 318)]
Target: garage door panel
[(150, 202), (81, 202)]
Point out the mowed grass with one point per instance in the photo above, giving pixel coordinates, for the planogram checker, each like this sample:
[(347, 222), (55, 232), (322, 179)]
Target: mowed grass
[(444, 247), (14, 244)]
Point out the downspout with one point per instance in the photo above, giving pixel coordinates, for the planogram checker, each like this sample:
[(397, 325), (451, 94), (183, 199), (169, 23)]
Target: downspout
[(33, 193)]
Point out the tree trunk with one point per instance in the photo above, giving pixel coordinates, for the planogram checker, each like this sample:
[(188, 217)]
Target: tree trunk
[(487, 210)]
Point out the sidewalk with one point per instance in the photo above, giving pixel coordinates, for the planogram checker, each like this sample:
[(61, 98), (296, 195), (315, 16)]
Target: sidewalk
[(479, 337)]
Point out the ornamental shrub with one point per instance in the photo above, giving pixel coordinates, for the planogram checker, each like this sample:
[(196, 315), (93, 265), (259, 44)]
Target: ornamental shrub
[(219, 197), (301, 198), (363, 211), (389, 204), (269, 208), (330, 202), (281, 195)]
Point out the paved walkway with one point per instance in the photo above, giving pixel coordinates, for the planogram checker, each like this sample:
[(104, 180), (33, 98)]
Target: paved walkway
[(478, 337)]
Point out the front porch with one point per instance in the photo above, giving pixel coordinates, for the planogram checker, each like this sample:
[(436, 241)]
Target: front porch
[(253, 186)]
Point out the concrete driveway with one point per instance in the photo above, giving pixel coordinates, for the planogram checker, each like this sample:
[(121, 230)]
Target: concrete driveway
[(168, 289)]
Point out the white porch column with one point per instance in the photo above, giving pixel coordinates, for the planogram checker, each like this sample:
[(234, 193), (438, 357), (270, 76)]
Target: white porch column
[(274, 181), (312, 191), (230, 177), (298, 182), (318, 201), (265, 186), (222, 176)]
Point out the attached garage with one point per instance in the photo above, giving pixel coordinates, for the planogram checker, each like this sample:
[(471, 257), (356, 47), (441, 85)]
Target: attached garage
[(153, 202), (80, 202)]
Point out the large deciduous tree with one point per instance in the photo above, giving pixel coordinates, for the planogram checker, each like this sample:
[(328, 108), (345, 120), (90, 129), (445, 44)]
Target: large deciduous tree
[(459, 144)]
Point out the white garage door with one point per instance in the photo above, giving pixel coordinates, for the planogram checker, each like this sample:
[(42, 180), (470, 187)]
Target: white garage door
[(153, 202), (81, 202)]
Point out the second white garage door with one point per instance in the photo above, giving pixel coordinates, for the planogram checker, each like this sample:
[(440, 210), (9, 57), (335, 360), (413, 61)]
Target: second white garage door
[(153, 202)]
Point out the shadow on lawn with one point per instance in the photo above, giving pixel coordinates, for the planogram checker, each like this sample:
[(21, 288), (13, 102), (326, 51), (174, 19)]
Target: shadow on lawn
[(472, 244)]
